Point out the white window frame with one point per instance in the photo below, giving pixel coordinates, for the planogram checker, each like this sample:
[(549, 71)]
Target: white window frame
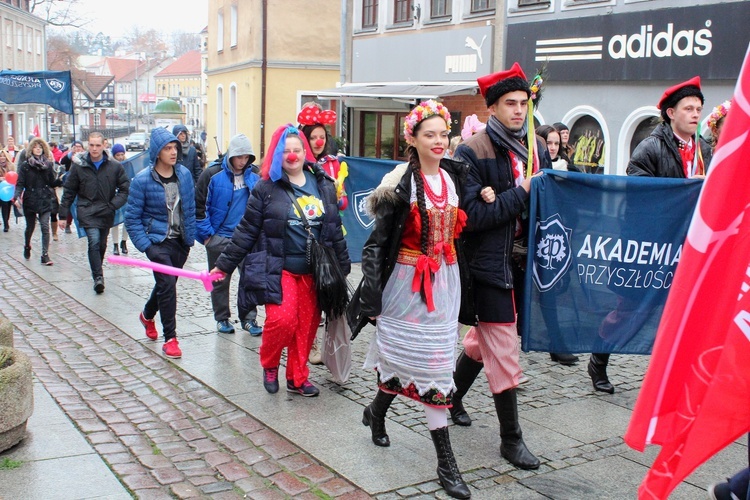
[(220, 115), (232, 109), (220, 31), (233, 26)]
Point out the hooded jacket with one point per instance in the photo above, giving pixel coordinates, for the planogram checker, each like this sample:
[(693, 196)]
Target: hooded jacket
[(259, 238), (100, 191), (36, 181), (146, 215), (657, 155), (218, 205), (191, 161)]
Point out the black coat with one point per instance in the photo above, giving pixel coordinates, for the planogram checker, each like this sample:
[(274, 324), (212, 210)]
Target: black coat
[(259, 237), (37, 184), (100, 192), (389, 206), (490, 229), (658, 156)]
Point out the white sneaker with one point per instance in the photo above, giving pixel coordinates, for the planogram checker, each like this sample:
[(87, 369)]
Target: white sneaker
[(523, 379)]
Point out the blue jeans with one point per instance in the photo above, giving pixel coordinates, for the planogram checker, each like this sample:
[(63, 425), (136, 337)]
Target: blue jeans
[(97, 238)]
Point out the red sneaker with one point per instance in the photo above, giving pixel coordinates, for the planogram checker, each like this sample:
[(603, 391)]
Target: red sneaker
[(171, 348), (150, 326)]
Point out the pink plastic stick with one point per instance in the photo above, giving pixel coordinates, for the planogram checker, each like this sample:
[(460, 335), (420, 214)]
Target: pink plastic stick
[(202, 276)]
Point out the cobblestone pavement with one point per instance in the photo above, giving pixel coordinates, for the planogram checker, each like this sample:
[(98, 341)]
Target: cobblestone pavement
[(162, 432), (165, 433)]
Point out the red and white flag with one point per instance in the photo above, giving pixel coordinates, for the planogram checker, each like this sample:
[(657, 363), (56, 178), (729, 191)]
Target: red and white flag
[(36, 131), (695, 399)]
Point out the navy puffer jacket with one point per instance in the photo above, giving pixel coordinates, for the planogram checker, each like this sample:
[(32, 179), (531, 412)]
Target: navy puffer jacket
[(259, 237), (146, 215)]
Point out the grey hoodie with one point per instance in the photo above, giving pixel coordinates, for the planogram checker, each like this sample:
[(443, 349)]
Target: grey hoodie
[(240, 145)]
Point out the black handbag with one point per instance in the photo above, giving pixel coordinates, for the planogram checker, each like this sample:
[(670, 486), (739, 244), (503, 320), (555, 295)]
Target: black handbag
[(331, 286)]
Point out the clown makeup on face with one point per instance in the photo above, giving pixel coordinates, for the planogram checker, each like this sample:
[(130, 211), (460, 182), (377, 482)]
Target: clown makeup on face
[(317, 141), (294, 155)]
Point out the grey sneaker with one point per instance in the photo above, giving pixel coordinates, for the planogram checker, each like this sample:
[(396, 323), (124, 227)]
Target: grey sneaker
[(99, 284)]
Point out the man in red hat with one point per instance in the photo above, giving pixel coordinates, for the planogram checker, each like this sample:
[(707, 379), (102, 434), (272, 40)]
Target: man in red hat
[(496, 192), (672, 149)]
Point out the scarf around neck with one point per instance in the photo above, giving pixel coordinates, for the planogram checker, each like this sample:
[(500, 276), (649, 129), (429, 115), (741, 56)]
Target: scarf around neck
[(503, 136), (37, 161)]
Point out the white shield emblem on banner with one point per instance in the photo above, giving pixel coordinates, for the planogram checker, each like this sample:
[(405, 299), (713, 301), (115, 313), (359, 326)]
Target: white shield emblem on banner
[(552, 257), (360, 208), (55, 85)]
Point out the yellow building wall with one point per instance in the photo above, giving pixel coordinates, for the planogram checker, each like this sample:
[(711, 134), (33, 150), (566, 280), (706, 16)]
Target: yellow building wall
[(293, 55)]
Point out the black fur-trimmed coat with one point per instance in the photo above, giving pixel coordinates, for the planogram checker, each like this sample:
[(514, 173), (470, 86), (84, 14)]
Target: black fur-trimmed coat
[(389, 206)]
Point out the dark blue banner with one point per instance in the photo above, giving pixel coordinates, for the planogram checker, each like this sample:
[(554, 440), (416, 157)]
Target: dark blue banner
[(39, 87), (365, 175), (602, 254)]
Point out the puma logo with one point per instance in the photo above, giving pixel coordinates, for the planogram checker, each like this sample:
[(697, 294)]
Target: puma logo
[(477, 48)]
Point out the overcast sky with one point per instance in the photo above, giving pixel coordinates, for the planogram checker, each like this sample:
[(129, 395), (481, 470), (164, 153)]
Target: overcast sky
[(116, 18)]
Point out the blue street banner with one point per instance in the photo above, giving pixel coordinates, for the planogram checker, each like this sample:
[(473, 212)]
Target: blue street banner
[(601, 258), (39, 87), (365, 175)]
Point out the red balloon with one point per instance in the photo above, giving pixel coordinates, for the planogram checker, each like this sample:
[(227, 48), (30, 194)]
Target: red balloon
[(11, 177)]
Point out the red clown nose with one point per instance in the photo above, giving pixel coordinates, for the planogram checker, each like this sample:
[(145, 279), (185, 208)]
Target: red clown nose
[(292, 157), (319, 142)]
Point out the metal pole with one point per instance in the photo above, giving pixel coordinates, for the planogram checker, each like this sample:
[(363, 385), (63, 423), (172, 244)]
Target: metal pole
[(137, 63)]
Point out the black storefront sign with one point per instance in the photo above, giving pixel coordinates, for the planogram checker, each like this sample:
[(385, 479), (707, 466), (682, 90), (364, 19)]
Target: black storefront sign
[(665, 44)]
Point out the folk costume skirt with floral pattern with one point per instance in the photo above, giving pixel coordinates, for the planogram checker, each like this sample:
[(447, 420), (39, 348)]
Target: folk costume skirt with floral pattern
[(414, 350)]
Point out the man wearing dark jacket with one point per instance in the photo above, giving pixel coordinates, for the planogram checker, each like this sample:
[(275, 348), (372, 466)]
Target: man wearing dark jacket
[(187, 154), (672, 149), (220, 199), (495, 194), (101, 185)]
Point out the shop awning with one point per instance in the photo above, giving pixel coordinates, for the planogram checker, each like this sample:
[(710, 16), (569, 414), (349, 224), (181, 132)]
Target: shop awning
[(396, 91)]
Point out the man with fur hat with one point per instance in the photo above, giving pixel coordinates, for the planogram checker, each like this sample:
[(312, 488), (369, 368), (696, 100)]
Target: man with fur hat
[(220, 199), (671, 150), (495, 194), (188, 155), (160, 219), (101, 185)]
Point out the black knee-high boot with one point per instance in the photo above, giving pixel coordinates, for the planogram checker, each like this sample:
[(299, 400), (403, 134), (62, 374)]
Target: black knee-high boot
[(598, 372), (512, 447), (374, 417), (466, 373), (447, 470)]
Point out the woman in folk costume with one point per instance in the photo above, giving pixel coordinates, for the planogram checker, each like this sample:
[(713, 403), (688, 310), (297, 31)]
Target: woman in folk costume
[(412, 285)]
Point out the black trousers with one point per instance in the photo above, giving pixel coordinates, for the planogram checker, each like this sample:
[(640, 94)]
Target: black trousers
[(163, 300)]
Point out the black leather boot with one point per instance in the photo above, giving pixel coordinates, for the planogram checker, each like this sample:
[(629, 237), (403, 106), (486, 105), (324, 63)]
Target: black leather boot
[(512, 447), (598, 372), (374, 417), (564, 358), (466, 373), (448, 474)]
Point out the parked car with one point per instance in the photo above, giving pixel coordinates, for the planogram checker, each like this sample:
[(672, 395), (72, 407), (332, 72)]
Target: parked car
[(137, 140)]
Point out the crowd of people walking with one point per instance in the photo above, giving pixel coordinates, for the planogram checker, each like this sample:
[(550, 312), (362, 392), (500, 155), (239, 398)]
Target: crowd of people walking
[(446, 248)]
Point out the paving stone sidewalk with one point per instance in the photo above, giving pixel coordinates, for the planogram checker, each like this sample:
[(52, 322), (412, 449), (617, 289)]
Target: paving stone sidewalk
[(161, 431)]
